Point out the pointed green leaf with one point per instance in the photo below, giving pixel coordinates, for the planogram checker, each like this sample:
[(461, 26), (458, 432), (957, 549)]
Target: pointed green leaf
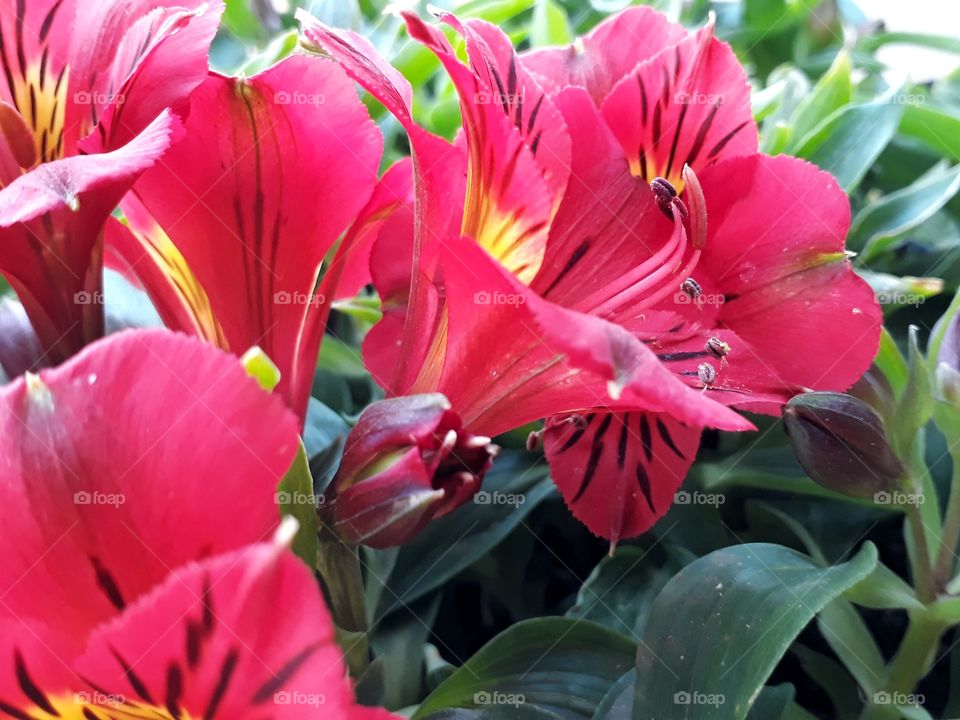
[(722, 624)]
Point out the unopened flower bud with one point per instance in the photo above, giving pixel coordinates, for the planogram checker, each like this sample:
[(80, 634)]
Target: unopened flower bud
[(407, 461), (841, 443), (19, 348), (875, 390)]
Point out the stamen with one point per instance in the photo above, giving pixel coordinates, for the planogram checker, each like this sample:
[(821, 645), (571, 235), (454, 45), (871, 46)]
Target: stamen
[(691, 288), (707, 374), (665, 195), (535, 440), (717, 347)]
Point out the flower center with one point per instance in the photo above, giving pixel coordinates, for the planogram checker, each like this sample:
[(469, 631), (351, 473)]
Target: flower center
[(87, 705), (41, 99)]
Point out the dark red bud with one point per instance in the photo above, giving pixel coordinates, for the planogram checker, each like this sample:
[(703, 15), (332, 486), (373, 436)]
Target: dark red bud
[(841, 443), (407, 461)]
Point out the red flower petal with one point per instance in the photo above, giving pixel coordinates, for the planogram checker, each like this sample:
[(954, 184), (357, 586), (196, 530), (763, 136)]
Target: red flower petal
[(265, 180), (157, 54), (107, 484), (688, 105), (516, 144), (618, 473), (775, 250), (607, 222), (551, 361), (238, 637), (607, 53), (50, 224), (393, 195)]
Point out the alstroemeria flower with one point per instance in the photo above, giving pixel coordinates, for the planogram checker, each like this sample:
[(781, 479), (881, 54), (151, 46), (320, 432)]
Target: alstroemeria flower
[(143, 582), (630, 267), (89, 102), (407, 461), (228, 234)]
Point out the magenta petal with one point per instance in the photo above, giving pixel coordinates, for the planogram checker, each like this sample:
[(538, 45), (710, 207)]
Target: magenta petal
[(99, 450), (264, 182), (51, 221), (775, 251), (241, 636), (158, 54), (618, 473), (689, 105), (552, 361), (607, 53)]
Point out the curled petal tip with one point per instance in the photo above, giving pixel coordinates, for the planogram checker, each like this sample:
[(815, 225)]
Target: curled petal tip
[(615, 389), (38, 392)]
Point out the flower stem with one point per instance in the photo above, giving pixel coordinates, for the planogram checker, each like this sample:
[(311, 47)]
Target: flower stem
[(339, 568), (912, 661), (951, 529), (922, 566)]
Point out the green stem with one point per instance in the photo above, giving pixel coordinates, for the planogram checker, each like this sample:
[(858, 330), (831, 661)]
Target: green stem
[(951, 529), (922, 567), (908, 667), (339, 568)]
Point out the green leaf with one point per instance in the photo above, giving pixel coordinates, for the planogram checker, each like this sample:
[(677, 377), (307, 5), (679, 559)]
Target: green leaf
[(883, 589), (453, 543), (722, 624), (399, 642), (831, 93), (296, 498), (618, 702), (621, 589), (323, 436), (850, 639), (891, 363), (881, 222), (549, 25), (279, 48), (944, 43), (240, 20), (915, 405), (848, 142), (495, 712), (833, 678), (557, 664), (772, 702), (937, 128)]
